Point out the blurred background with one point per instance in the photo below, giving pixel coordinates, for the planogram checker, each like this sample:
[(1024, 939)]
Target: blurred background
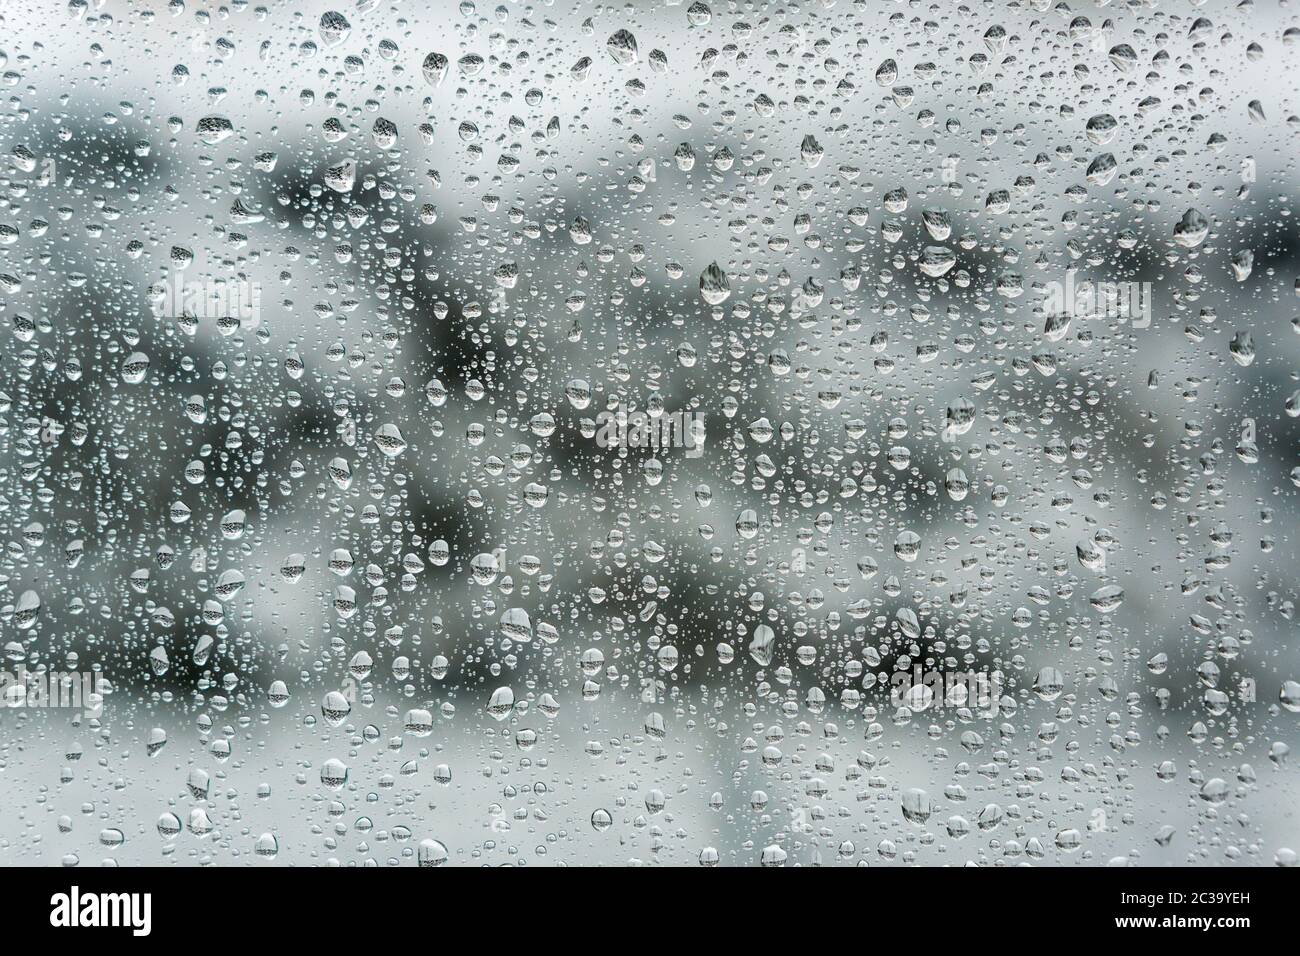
[(368, 525)]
